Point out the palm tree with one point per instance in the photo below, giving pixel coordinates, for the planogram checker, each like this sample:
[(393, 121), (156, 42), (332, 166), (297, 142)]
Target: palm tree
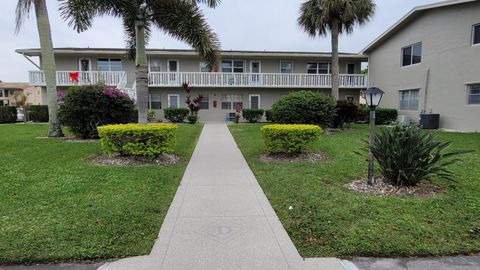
[(48, 58), (317, 17), (181, 19)]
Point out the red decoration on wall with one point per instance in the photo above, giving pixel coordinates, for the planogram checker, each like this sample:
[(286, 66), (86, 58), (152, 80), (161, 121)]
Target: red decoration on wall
[(73, 76), (214, 104)]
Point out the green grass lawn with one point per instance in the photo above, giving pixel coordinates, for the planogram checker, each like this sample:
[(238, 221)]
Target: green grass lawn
[(329, 220), (55, 206)]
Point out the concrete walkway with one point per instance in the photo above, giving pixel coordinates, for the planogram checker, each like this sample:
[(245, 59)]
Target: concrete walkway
[(221, 219)]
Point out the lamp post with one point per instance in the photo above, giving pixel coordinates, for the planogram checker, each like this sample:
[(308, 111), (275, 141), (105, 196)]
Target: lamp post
[(373, 96)]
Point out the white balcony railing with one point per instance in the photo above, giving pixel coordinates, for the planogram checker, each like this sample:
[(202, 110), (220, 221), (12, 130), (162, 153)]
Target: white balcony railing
[(279, 80), (111, 78)]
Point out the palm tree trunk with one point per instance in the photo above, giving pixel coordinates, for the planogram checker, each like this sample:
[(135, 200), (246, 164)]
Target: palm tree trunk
[(335, 61), (48, 67), (141, 73)]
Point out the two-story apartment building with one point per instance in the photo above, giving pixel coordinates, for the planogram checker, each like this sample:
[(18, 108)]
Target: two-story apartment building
[(247, 79), (429, 62)]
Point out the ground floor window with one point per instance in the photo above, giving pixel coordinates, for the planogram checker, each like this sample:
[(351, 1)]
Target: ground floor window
[(474, 94), (232, 102), (254, 101), (174, 101), (155, 102), (409, 100), (205, 103)]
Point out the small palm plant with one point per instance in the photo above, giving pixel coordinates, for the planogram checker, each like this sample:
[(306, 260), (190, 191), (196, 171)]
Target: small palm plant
[(407, 155)]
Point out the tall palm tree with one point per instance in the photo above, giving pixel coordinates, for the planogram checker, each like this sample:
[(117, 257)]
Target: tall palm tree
[(318, 17), (48, 58), (181, 19)]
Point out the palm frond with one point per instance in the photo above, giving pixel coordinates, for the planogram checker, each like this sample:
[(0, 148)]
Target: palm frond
[(184, 21), (21, 13), (80, 13)]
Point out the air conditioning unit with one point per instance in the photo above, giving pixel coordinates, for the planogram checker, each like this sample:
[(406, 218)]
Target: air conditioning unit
[(404, 120)]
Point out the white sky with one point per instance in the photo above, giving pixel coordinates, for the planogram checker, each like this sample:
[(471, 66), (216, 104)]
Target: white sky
[(240, 25)]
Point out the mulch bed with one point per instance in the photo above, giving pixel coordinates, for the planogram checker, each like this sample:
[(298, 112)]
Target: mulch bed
[(165, 159), (384, 188), (288, 158)]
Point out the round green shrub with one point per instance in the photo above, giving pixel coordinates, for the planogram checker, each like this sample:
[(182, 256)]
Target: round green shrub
[(252, 115), (84, 108), (304, 107), (290, 139), (176, 115)]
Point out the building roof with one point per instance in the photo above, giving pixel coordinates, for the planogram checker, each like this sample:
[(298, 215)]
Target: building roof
[(179, 52), (405, 20), (17, 85)]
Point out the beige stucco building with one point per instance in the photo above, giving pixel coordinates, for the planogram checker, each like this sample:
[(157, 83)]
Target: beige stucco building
[(35, 95), (429, 62), (250, 79)]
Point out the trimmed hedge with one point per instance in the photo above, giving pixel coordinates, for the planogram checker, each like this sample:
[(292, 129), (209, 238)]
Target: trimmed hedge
[(252, 115), (8, 114), (176, 115), (304, 107), (346, 112), (290, 139), (137, 140), (382, 116), (38, 113), (269, 116)]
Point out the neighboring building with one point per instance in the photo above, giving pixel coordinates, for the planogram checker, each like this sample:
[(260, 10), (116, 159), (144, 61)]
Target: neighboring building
[(249, 79), (430, 61), (8, 90)]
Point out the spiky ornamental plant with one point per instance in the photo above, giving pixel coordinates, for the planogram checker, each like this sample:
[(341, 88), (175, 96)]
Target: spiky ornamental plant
[(48, 59), (193, 104), (181, 19), (407, 155), (318, 17)]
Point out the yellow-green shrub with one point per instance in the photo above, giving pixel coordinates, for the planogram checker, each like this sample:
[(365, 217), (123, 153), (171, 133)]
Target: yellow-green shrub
[(289, 139), (137, 140)]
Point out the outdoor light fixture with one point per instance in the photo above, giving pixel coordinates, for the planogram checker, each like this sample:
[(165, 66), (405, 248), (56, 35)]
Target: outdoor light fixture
[(373, 96)]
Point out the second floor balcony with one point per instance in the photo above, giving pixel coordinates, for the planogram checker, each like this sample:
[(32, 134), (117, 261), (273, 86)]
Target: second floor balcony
[(70, 78), (204, 79), (261, 80)]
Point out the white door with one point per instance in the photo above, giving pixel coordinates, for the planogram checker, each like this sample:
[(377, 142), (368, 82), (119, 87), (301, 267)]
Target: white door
[(255, 69), (85, 68), (172, 68)]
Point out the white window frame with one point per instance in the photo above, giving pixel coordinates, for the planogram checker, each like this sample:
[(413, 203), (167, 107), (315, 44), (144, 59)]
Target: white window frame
[(409, 99), (150, 101), (469, 88), (329, 69), (178, 100), (233, 65), (285, 60), (231, 100), (110, 63), (207, 97), (473, 35), (250, 100), (150, 64), (201, 64), (411, 57), (168, 65), (89, 63)]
